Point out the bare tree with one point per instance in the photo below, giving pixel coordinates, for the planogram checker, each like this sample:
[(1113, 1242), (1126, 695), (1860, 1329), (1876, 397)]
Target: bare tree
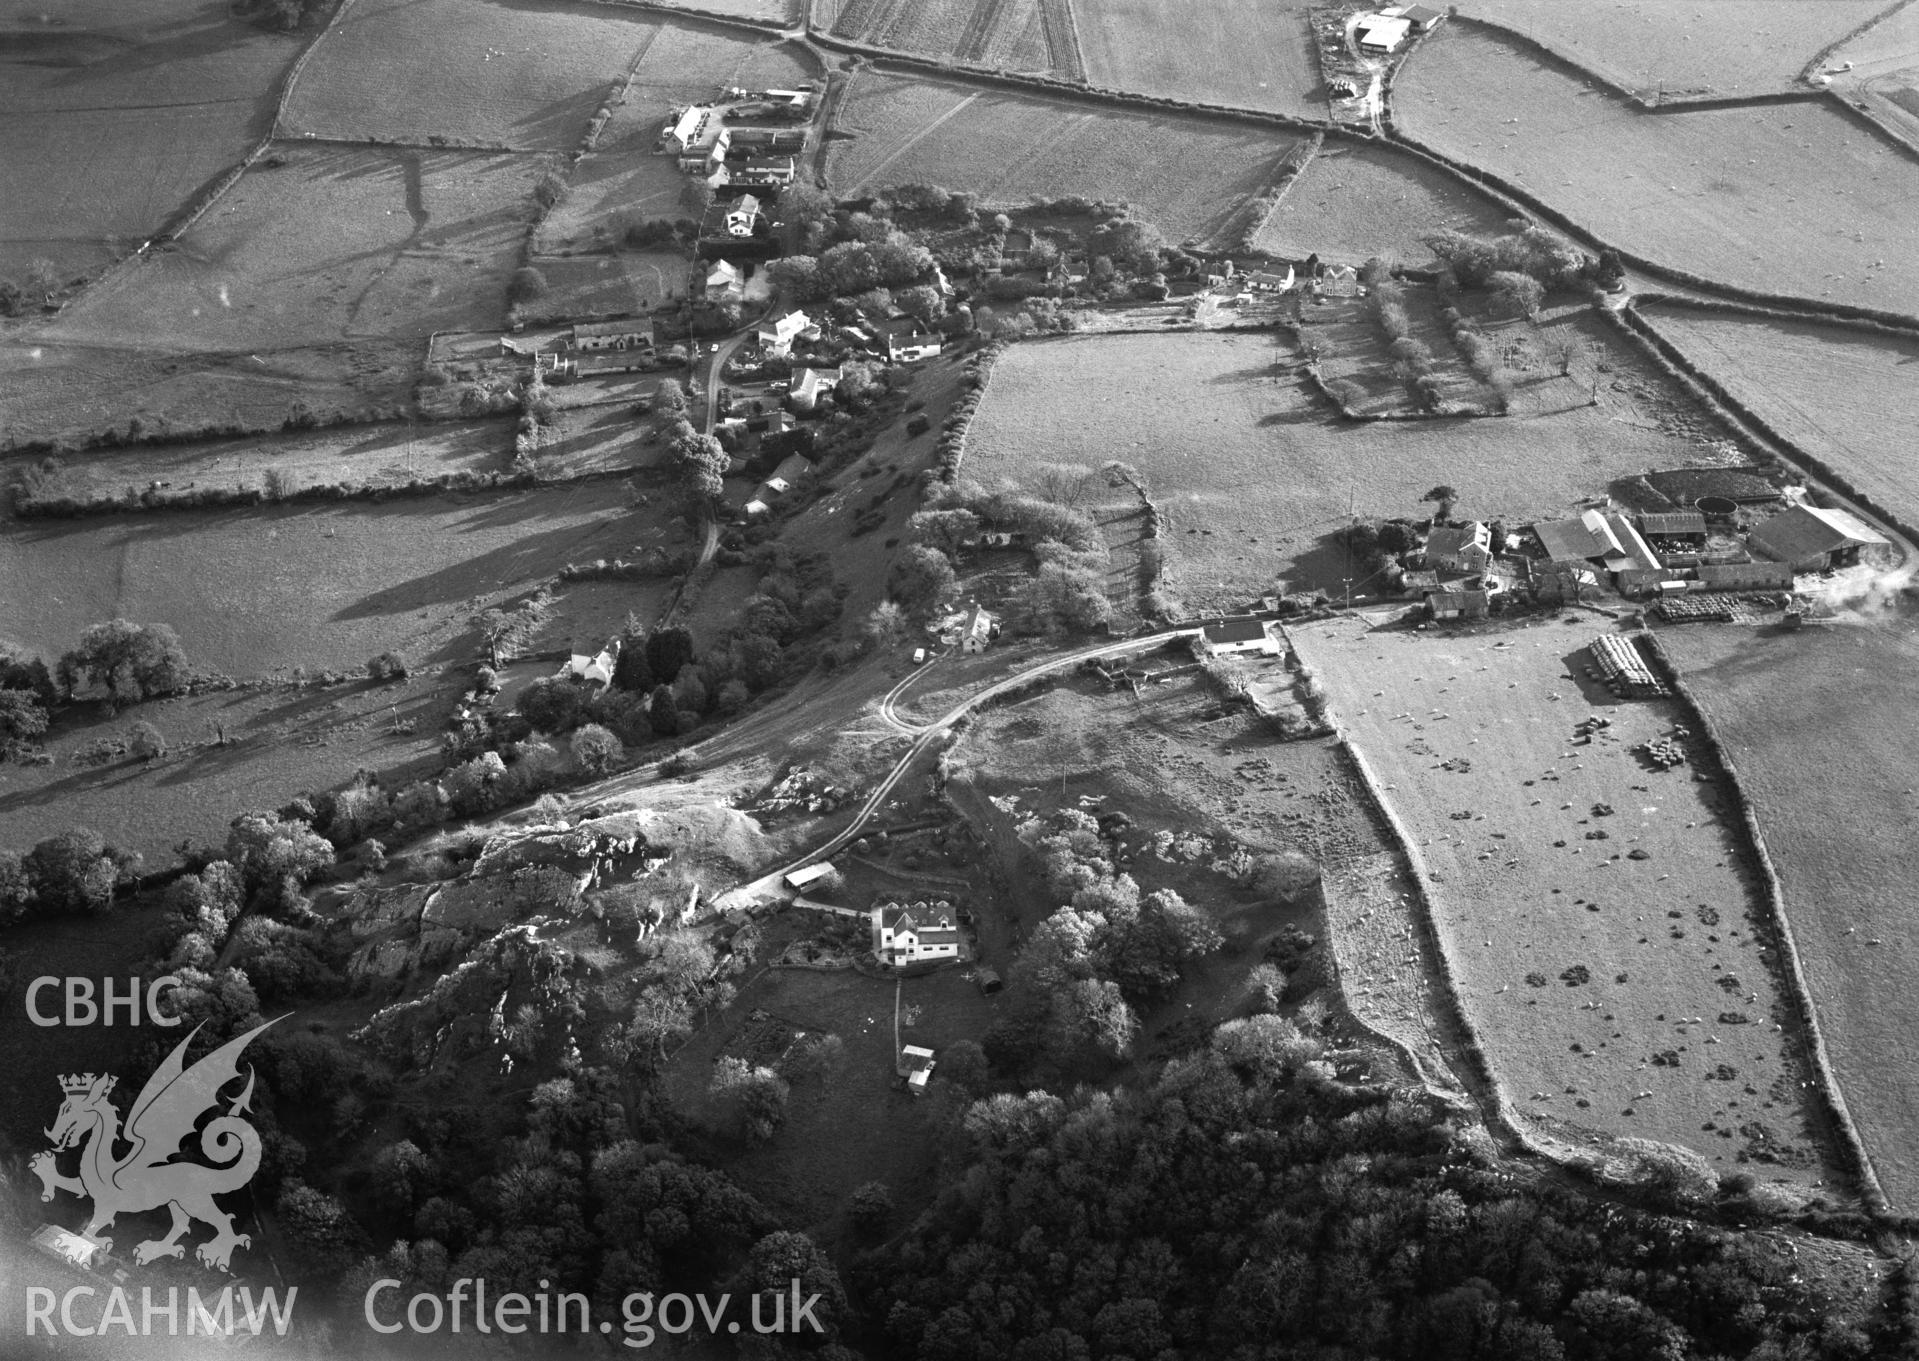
[(1064, 484), (1561, 348)]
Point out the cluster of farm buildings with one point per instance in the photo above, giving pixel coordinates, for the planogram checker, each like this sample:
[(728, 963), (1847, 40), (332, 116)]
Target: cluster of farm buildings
[(1725, 542)]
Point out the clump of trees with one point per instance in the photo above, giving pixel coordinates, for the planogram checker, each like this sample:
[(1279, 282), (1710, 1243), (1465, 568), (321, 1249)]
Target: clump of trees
[(131, 662), (1247, 1193), (1109, 949)]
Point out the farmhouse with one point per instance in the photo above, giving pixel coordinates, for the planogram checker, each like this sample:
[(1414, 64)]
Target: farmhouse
[(1265, 281), (1228, 636), (913, 934), (1813, 539), (743, 216), (977, 630), (1467, 548), (595, 668), (776, 336), (1458, 604), (625, 334), (809, 385), (1338, 281), (904, 341)]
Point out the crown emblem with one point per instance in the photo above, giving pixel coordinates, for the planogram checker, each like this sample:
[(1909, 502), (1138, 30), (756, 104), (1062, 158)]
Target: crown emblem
[(76, 1084)]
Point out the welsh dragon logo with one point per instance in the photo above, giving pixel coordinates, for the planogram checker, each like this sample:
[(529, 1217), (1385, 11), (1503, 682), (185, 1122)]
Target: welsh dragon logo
[(144, 1177)]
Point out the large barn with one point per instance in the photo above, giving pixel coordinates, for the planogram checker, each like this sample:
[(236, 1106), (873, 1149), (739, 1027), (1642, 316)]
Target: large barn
[(1814, 539)]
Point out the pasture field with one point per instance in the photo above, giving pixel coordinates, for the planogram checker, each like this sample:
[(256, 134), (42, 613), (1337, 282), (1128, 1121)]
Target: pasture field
[(280, 742), (379, 455), (1240, 53), (1352, 203), (1008, 35), (66, 392), (260, 592), (1819, 725), (1586, 971), (1730, 47), (1188, 176), (1253, 470), (113, 114), (506, 75), (625, 283), (622, 179), (331, 243), (1843, 396), (1786, 198)]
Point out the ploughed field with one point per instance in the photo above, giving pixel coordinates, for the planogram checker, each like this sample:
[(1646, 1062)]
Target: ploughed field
[(1190, 177), (1677, 50), (1009, 35), (1845, 396), (1255, 473), (318, 243), (1613, 995), (1785, 199), (1819, 725)]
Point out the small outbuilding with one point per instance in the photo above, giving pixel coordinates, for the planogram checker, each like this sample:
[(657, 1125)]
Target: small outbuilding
[(915, 1065), (1463, 604), (807, 876)]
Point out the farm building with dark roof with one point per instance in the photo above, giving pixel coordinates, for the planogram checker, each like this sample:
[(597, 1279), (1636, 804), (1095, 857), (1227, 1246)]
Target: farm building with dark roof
[(1813, 539)]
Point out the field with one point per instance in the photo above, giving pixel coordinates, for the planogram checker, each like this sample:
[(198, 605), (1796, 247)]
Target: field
[(1729, 47), (1843, 396), (1790, 198), (280, 742), (1254, 472), (379, 455), (1352, 203), (1187, 176), (624, 283), (1239, 53), (1585, 970), (260, 592), (1819, 725), (332, 243), (67, 391), (113, 114), (1007, 35), (503, 74), (622, 178)]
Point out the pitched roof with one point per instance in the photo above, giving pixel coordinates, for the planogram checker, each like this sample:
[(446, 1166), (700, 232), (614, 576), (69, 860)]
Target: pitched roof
[(1447, 540), (1235, 631), (627, 326), (1455, 600), (1798, 533), (1570, 540), (1673, 522)]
